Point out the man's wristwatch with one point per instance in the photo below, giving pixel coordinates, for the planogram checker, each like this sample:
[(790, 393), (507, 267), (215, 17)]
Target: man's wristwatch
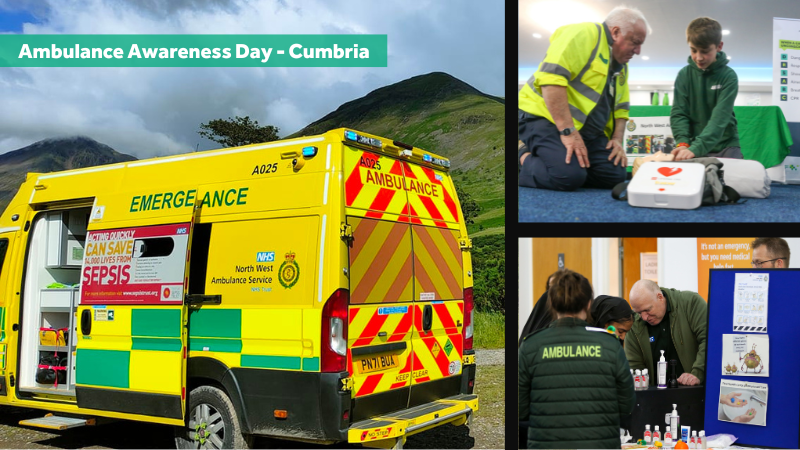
[(567, 131)]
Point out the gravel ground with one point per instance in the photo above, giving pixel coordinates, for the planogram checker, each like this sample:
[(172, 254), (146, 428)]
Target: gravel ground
[(486, 431), (490, 357)]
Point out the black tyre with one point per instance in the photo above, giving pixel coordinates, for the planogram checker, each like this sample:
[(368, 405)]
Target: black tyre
[(211, 422)]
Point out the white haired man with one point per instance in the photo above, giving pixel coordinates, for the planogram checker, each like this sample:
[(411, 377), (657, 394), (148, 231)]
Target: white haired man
[(573, 110), (670, 320)]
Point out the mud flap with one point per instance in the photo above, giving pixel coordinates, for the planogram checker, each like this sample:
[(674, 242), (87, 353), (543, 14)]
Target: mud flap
[(390, 430)]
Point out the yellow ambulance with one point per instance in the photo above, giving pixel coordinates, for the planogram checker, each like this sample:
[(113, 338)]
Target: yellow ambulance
[(317, 289)]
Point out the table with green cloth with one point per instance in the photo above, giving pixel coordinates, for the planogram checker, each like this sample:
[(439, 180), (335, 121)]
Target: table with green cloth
[(763, 133)]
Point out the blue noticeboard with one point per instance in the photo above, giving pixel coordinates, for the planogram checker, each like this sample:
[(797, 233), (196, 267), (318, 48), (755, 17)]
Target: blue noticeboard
[(783, 398)]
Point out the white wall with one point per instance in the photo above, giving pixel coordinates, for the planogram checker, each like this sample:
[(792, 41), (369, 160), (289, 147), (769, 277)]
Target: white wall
[(613, 267), (744, 98), (748, 95), (677, 263), (525, 281), (794, 249)]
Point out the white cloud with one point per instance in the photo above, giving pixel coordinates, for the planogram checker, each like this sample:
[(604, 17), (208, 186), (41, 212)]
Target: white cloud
[(157, 111)]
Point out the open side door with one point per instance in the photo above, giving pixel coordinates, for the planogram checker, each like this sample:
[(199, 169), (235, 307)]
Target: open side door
[(6, 239), (131, 350)]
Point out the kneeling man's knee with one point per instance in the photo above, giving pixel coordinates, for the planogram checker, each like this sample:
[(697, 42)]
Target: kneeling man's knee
[(620, 174), (571, 177)]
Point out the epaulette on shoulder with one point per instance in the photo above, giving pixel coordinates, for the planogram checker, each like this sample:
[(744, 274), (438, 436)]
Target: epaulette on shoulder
[(601, 330)]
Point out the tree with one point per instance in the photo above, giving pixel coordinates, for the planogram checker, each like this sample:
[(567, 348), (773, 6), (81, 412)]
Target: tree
[(238, 131), (469, 207), (489, 269)]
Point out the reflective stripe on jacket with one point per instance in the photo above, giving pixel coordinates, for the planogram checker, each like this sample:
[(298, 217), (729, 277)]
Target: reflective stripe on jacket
[(578, 58)]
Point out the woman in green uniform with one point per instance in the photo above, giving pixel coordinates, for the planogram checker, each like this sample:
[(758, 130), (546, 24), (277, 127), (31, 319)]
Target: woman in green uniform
[(574, 379)]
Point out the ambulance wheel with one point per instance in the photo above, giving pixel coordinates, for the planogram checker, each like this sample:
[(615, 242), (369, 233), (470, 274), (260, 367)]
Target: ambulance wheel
[(211, 422)]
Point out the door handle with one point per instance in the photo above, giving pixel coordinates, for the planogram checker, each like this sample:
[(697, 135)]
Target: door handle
[(86, 322), (427, 318)]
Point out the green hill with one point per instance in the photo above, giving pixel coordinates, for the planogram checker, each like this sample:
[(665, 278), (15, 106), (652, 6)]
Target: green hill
[(52, 155), (444, 115)]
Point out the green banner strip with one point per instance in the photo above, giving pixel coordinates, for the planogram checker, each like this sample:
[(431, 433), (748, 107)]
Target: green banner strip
[(102, 368), (218, 323), (271, 362), (311, 364), (158, 344), (215, 345), (193, 50), (156, 322)]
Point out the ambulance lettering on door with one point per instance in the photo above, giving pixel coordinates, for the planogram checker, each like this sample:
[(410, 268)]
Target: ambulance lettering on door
[(142, 265)]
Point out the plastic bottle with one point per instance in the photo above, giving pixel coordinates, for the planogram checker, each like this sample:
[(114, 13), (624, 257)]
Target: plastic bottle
[(673, 378), (656, 435), (702, 439), (693, 440), (662, 372), (648, 437), (668, 437), (646, 376), (675, 420), (637, 380)]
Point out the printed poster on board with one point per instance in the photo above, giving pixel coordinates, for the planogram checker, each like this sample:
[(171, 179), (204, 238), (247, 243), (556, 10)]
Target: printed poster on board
[(142, 265), (647, 135), (745, 355), (750, 302), (742, 402)]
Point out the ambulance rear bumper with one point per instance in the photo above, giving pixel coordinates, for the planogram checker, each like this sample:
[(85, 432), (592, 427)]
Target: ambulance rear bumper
[(401, 424)]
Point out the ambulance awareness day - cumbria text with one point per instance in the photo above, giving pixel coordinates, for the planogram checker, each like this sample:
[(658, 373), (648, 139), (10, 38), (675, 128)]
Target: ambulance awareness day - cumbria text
[(296, 51)]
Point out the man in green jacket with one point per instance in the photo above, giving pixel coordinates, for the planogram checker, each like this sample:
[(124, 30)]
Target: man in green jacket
[(669, 320), (702, 117)]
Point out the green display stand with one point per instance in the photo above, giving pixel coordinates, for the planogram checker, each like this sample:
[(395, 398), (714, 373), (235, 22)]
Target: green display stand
[(763, 133)]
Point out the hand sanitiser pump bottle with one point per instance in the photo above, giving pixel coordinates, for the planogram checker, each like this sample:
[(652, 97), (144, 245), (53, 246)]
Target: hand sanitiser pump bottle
[(674, 419), (662, 372)]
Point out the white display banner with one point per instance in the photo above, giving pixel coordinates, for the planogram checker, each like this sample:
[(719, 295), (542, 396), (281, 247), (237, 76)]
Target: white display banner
[(647, 135), (786, 66)]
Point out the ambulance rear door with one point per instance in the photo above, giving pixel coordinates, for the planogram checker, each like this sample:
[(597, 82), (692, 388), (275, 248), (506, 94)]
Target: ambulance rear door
[(438, 282), (381, 282)]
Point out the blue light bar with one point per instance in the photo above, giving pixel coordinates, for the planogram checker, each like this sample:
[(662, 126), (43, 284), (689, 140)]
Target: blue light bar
[(309, 152), (426, 157), (353, 136)]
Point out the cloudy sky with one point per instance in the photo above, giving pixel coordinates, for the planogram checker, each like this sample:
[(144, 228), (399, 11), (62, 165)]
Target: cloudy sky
[(157, 111)]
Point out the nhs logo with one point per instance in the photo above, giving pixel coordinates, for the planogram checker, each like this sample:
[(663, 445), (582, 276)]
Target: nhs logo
[(265, 257)]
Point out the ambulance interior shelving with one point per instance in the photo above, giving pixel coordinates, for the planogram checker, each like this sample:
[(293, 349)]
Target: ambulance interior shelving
[(50, 300)]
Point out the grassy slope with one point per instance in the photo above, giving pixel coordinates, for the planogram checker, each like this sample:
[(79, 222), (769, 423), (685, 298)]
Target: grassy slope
[(446, 116)]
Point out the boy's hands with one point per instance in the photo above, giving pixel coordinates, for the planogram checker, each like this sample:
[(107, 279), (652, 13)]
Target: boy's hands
[(682, 153), (617, 152)]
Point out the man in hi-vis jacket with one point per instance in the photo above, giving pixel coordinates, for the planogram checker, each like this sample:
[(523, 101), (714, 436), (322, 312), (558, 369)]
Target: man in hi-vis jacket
[(572, 112)]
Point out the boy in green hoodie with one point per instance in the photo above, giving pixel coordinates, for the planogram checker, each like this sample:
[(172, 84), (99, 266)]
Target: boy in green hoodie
[(702, 117)]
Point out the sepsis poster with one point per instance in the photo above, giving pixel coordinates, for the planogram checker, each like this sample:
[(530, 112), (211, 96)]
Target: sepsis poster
[(142, 265)]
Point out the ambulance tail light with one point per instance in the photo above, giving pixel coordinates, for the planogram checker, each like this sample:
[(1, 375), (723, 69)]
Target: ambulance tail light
[(469, 316), (334, 332)]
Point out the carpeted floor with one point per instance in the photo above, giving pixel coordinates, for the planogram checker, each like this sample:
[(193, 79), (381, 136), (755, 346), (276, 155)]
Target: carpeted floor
[(596, 205)]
